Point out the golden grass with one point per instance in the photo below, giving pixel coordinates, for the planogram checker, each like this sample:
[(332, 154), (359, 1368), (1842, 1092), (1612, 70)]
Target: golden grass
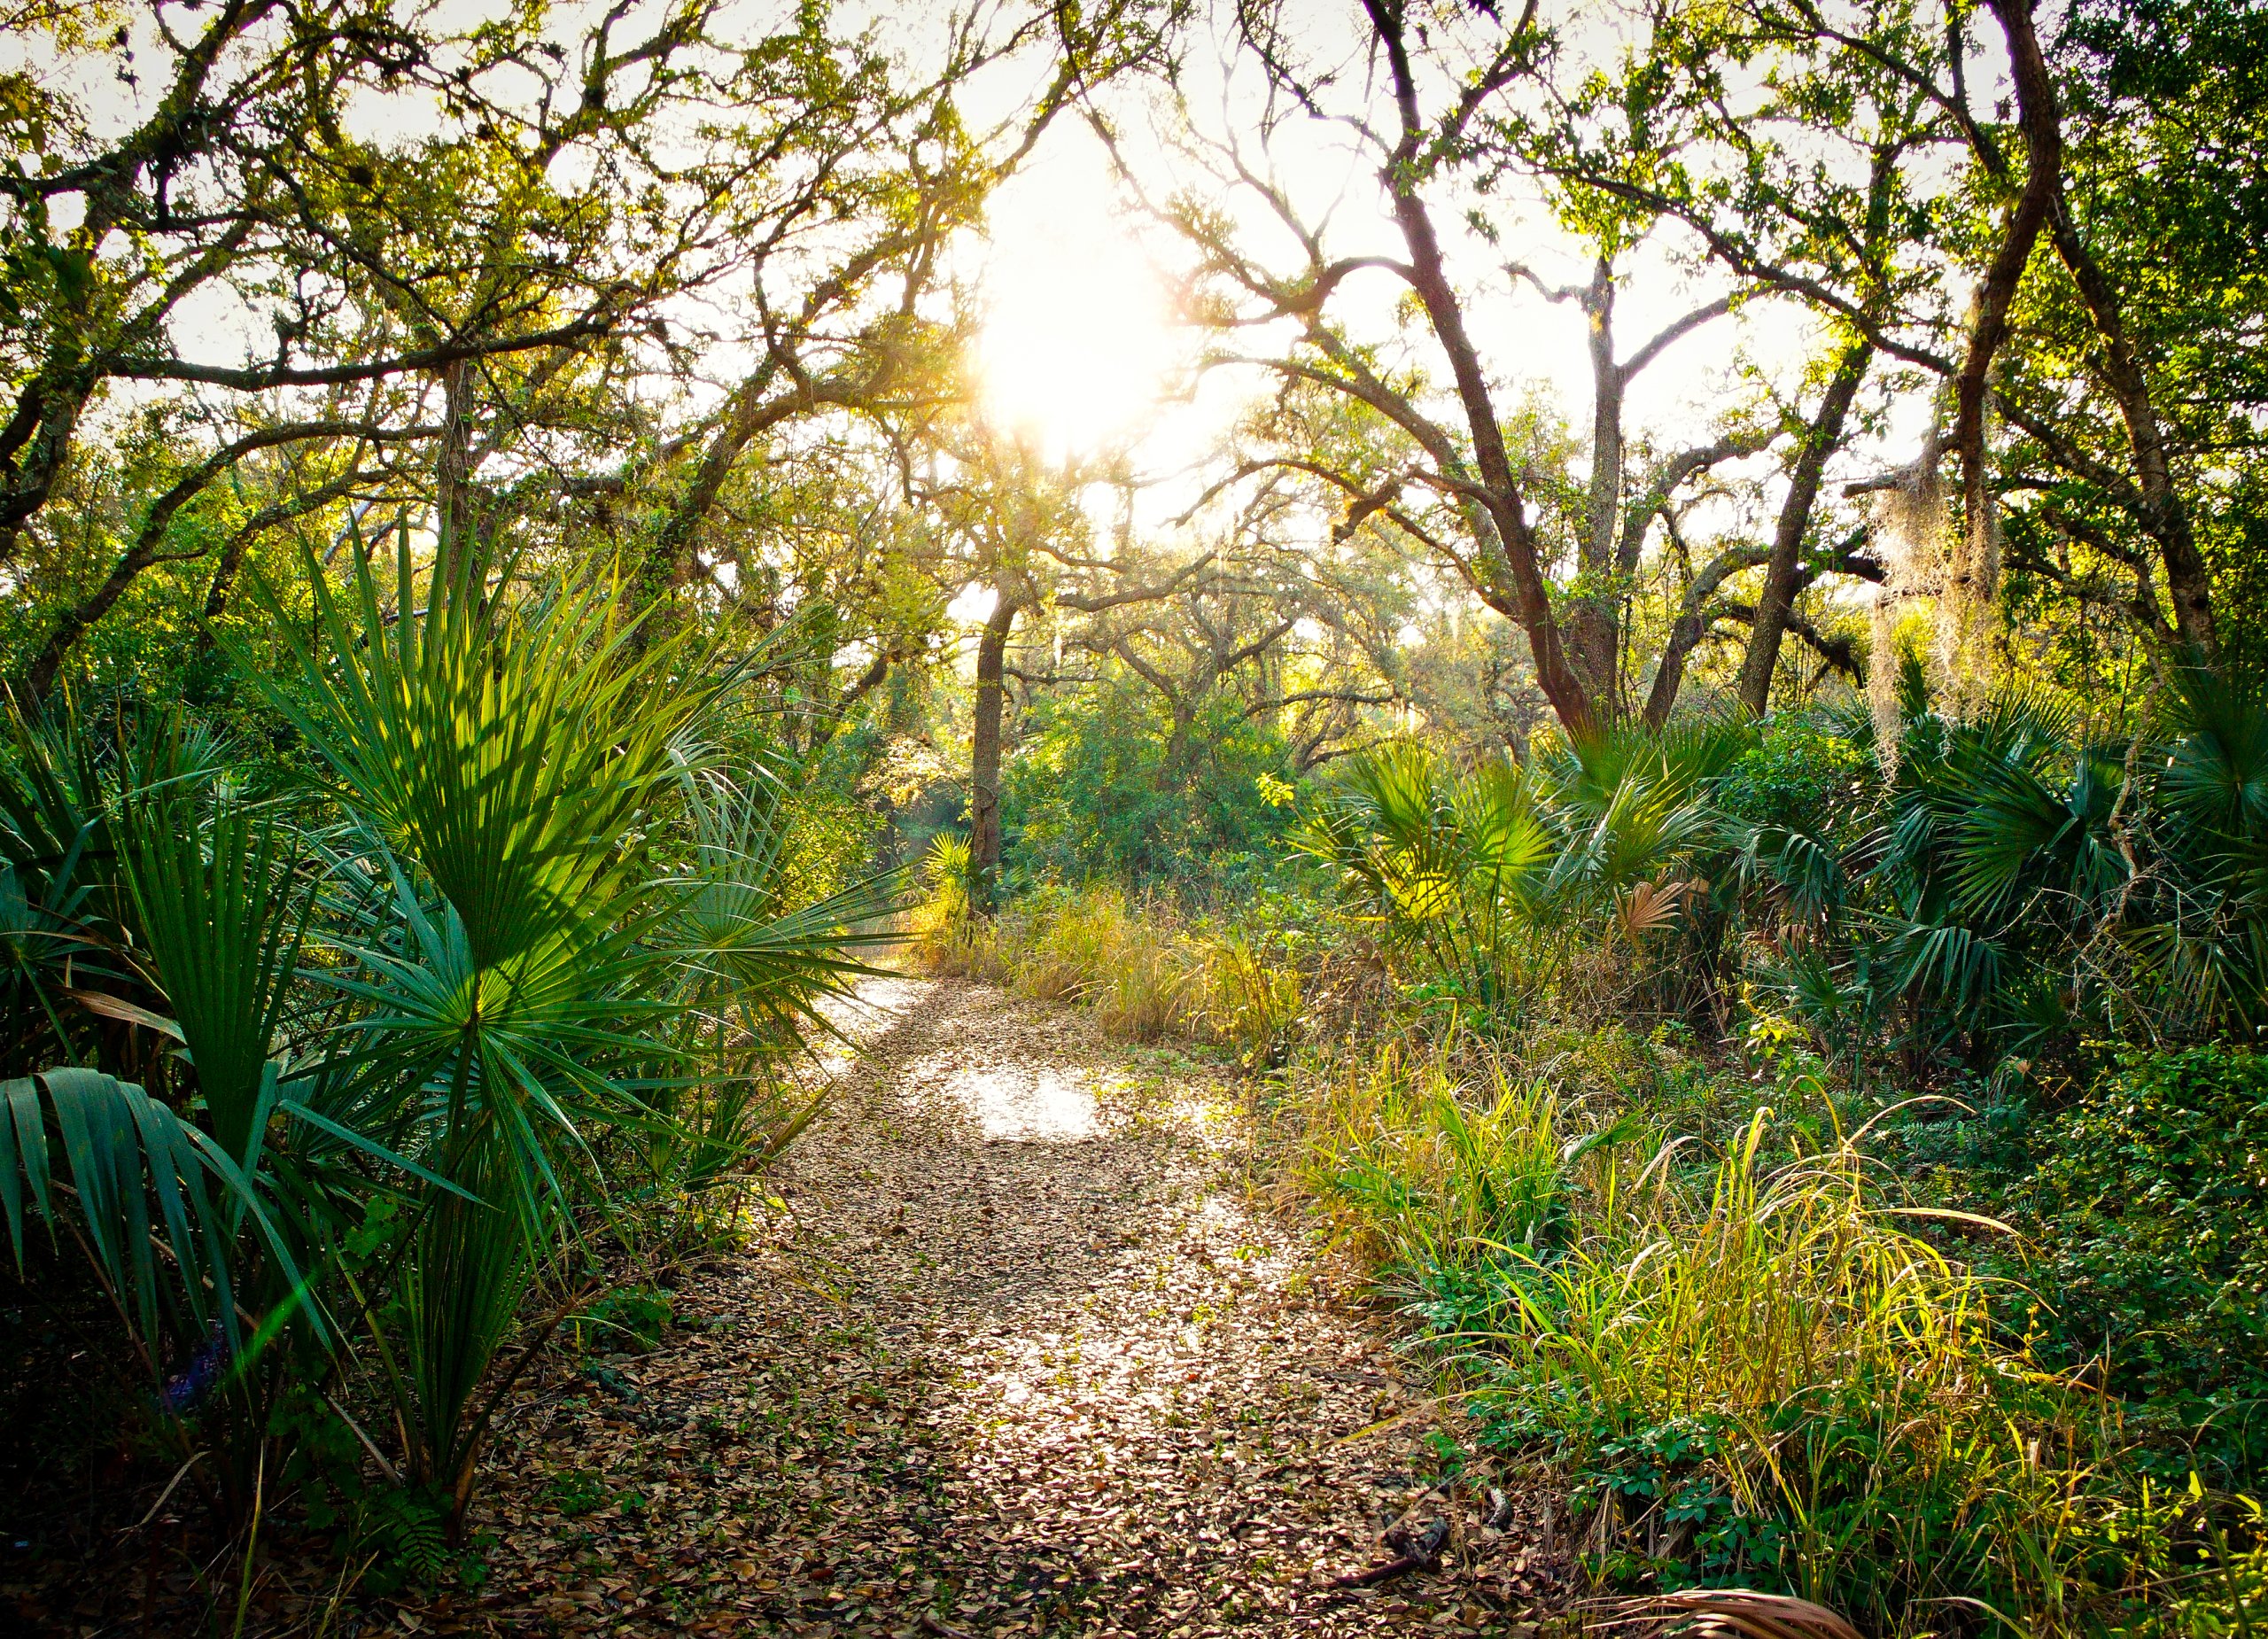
[(1148, 971)]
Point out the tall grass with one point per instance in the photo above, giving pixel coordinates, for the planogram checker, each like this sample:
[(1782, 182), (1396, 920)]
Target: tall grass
[(1145, 970), (1851, 1432), (1428, 1173), (1750, 1372)]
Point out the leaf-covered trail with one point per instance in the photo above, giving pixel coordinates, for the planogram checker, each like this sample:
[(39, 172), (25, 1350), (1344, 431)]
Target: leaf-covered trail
[(1020, 1359)]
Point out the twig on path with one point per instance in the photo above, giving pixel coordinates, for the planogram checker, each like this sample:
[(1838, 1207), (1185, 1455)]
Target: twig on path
[(179, 1473), (1417, 1409), (1728, 1614), (1423, 1551)]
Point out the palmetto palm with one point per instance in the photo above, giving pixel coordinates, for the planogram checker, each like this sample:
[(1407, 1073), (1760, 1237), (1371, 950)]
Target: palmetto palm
[(521, 904), (750, 952), (1497, 874), (2028, 878), (1998, 864), (2207, 931), (505, 755), (58, 886), (165, 915), (1451, 866), (752, 969)]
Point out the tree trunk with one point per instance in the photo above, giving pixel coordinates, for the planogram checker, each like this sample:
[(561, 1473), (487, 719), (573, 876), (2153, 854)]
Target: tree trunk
[(1685, 635), (1593, 617), (1690, 627), (2042, 186), (984, 755), (1173, 763), (454, 521), (2162, 514), (1528, 596), (1784, 569), (224, 583)]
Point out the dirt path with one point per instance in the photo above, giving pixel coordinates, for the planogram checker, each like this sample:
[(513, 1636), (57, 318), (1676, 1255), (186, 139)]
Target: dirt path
[(1020, 1360)]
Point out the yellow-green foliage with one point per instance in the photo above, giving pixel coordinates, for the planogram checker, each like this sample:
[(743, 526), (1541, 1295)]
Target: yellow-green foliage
[(1835, 1372), (1251, 1003), (1679, 1301), (944, 927), (1146, 971), (1421, 1169), (1762, 1372)]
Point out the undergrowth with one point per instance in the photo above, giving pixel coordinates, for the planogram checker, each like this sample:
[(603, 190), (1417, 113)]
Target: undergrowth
[(1702, 1289), (1761, 1371), (1148, 970)]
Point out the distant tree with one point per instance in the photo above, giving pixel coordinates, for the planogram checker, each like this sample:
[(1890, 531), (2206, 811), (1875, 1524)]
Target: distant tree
[(1429, 441), (508, 305)]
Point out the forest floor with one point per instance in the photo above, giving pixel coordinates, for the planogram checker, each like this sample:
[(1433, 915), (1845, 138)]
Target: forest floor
[(1017, 1349), (1022, 1356)]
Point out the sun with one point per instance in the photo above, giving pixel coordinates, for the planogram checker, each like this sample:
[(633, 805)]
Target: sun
[(1077, 337)]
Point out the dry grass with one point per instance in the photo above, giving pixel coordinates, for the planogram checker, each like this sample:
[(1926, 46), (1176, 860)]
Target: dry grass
[(1148, 971)]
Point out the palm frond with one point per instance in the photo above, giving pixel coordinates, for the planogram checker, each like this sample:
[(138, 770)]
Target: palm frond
[(220, 914), (1730, 1614), (507, 739), (137, 1175)]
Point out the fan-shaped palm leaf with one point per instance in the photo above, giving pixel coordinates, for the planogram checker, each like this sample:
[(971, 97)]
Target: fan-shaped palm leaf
[(221, 918), (507, 740)]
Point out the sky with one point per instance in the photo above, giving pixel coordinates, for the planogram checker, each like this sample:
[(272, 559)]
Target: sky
[(1080, 336)]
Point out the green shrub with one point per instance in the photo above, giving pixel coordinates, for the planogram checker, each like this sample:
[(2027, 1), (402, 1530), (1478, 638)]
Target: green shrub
[(1098, 791), (2148, 1211), (1802, 774)]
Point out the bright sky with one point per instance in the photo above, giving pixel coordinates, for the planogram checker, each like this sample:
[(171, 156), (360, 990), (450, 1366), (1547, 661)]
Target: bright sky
[(1079, 338)]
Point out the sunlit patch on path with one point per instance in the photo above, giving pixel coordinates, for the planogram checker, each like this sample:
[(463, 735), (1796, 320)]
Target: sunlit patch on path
[(1016, 1357), (1041, 1103)]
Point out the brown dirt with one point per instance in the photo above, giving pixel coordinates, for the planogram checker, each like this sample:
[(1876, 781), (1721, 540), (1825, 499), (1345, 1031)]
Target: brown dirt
[(1023, 1358)]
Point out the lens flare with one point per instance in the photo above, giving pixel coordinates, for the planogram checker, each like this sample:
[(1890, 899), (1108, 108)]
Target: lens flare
[(1076, 337)]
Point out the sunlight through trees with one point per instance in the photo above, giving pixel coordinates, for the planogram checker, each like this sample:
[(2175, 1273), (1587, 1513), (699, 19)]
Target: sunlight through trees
[(1619, 648)]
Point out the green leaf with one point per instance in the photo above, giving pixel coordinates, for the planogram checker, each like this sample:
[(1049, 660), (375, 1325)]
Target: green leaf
[(122, 1149)]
